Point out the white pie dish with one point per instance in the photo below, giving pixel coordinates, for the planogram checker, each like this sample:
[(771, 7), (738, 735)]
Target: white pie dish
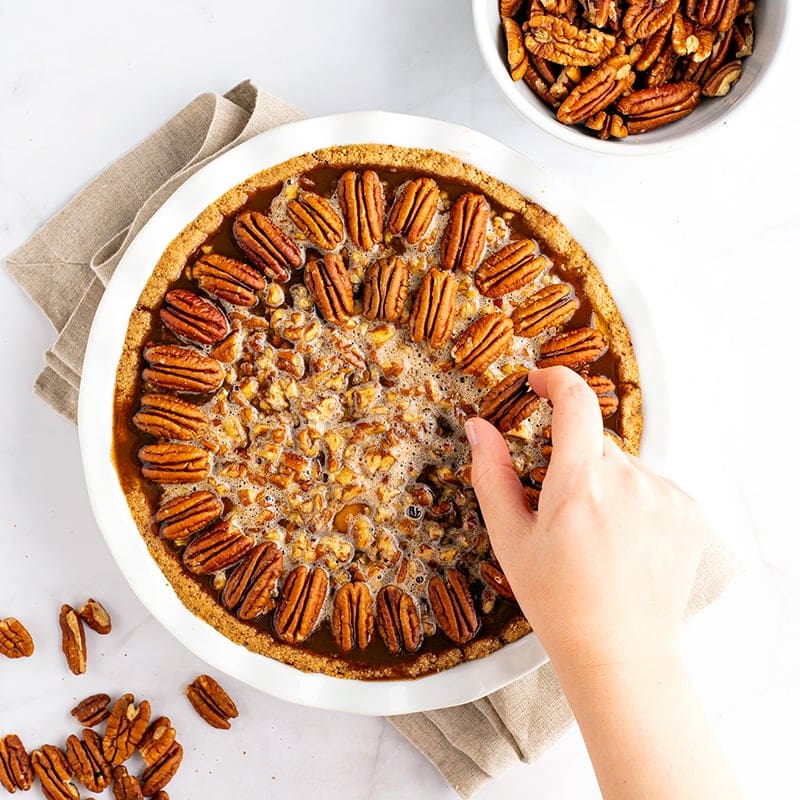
[(462, 683)]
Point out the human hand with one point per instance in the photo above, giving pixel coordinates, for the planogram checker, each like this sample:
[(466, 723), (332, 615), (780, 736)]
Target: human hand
[(604, 568)]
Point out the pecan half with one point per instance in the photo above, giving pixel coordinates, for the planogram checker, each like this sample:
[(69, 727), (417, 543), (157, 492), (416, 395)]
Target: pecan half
[(510, 268), (184, 516), (15, 764), (266, 245), (495, 578), (86, 760), (558, 41), (192, 317), (719, 83), (413, 209), (15, 641), (508, 403), (92, 710), (329, 283), (688, 38), (181, 369), (125, 729), (483, 342), (156, 741), (576, 348), (605, 390), (219, 547), (126, 786), (228, 279), (170, 462), (550, 307), (652, 49), (464, 236), (159, 774), (169, 417), (717, 14), (250, 588), (607, 125), (160, 795), (51, 768), (95, 616), (743, 36), (301, 602), (646, 17), (452, 605), (651, 108), (597, 90), (398, 620), (211, 702), (515, 49), (353, 617), (433, 312), (539, 85), (317, 220), (73, 639), (361, 200), (508, 8), (385, 289), (598, 12)]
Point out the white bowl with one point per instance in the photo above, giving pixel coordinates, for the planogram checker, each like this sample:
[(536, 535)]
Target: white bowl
[(95, 414), (770, 26)]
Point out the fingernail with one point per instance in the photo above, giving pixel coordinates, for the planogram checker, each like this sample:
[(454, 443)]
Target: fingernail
[(472, 432)]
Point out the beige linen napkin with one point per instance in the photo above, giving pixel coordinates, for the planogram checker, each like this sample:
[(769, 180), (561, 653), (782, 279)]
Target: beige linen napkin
[(65, 266)]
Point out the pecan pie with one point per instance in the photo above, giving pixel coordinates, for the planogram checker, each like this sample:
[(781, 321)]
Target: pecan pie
[(291, 397)]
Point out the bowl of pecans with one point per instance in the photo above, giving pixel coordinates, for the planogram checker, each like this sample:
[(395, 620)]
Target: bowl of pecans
[(628, 76)]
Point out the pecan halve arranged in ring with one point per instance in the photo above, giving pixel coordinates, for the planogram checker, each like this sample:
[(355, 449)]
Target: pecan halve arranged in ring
[(413, 209), (361, 200), (317, 220), (643, 18), (51, 768), (398, 621), (125, 728), (157, 740), (464, 236), (385, 289), (192, 317), (483, 342), (452, 605), (73, 639), (186, 515), (510, 268), (15, 641), (172, 462), (496, 579), (169, 417), (576, 348), (559, 41), (156, 776), (605, 390), (550, 307), (219, 547), (655, 106), (16, 771), (87, 762), (329, 283), (184, 370), (509, 403), (353, 617), (597, 90), (516, 55), (211, 702), (228, 279), (302, 598), (250, 588), (266, 245), (433, 312)]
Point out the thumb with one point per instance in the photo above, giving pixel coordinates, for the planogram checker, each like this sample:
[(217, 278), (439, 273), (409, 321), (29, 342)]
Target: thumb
[(502, 499)]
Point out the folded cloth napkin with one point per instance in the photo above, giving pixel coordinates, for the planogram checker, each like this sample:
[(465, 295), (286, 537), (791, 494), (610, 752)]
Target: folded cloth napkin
[(65, 266)]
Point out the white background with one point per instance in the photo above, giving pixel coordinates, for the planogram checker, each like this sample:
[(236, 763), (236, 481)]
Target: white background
[(711, 233)]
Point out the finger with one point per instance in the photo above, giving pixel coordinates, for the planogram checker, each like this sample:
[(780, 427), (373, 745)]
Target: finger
[(577, 422), (503, 503)]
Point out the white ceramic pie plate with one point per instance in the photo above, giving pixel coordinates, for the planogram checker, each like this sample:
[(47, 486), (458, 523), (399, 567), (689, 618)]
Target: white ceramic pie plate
[(458, 685)]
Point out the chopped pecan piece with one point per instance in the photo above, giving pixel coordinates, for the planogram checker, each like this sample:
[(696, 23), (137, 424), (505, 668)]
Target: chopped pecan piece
[(95, 616), (646, 17), (597, 90), (413, 209), (92, 711), (361, 200), (385, 289), (329, 283), (510, 268), (73, 639), (228, 279), (170, 462), (126, 786), (719, 83), (160, 795), (508, 403), (192, 317), (605, 390), (651, 108), (86, 760), (156, 776), (250, 588), (301, 602), (169, 417), (483, 342), (156, 741), (515, 49), (317, 220), (181, 369), (576, 348), (433, 312), (51, 768), (219, 547), (398, 620), (15, 641), (558, 41), (211, 702), (15, 764), (353, 617), (452, 605), (495, 578), (464, 236), (550, 307), (266, 245), (184, 516), (125, 728)]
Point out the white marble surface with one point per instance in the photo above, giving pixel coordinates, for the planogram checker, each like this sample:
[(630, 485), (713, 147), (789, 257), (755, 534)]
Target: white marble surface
[(711, 232)]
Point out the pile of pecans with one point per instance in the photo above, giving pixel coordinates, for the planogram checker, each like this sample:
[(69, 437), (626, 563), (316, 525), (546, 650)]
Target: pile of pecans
[(622, 67)]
